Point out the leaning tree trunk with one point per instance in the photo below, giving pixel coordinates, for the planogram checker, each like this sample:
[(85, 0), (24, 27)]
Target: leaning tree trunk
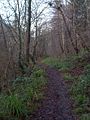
[(68, 31)]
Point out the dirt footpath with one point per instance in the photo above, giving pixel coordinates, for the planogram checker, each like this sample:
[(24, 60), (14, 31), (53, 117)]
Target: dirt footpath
[(57, 104)]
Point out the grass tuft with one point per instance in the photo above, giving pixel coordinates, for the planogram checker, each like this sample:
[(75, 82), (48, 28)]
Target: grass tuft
[(25, 92)]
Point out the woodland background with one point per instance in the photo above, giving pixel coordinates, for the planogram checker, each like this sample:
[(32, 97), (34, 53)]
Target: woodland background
[(31, 32), (34, 30)]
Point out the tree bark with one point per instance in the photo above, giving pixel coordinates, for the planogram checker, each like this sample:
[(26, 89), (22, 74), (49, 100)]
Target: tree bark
[(28, 30), (69, 33)]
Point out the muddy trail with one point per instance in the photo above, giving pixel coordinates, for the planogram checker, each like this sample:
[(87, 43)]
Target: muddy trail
[(57, 104)]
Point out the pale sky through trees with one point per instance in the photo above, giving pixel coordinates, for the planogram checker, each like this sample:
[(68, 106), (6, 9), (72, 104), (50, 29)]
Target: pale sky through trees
[(5, 9)]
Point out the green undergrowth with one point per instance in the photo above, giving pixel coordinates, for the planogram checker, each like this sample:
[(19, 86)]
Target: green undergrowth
[(60, 64), (69, 62), (80, 91), (22, 97), (79, 84)]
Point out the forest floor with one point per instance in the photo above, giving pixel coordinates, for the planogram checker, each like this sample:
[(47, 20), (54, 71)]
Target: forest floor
[(57, 104)]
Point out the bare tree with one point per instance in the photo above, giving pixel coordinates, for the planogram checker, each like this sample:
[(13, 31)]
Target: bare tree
[(28, 30)]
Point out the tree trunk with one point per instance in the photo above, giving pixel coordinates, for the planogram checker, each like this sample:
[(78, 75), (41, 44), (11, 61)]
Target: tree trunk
[(28, 30), (69, 33), (19, 36)]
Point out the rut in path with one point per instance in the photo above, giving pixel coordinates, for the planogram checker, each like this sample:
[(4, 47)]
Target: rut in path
[(56, 105)]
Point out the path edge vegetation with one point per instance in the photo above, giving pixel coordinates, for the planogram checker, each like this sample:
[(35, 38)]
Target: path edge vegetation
[(23, 95), (76, 73)]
